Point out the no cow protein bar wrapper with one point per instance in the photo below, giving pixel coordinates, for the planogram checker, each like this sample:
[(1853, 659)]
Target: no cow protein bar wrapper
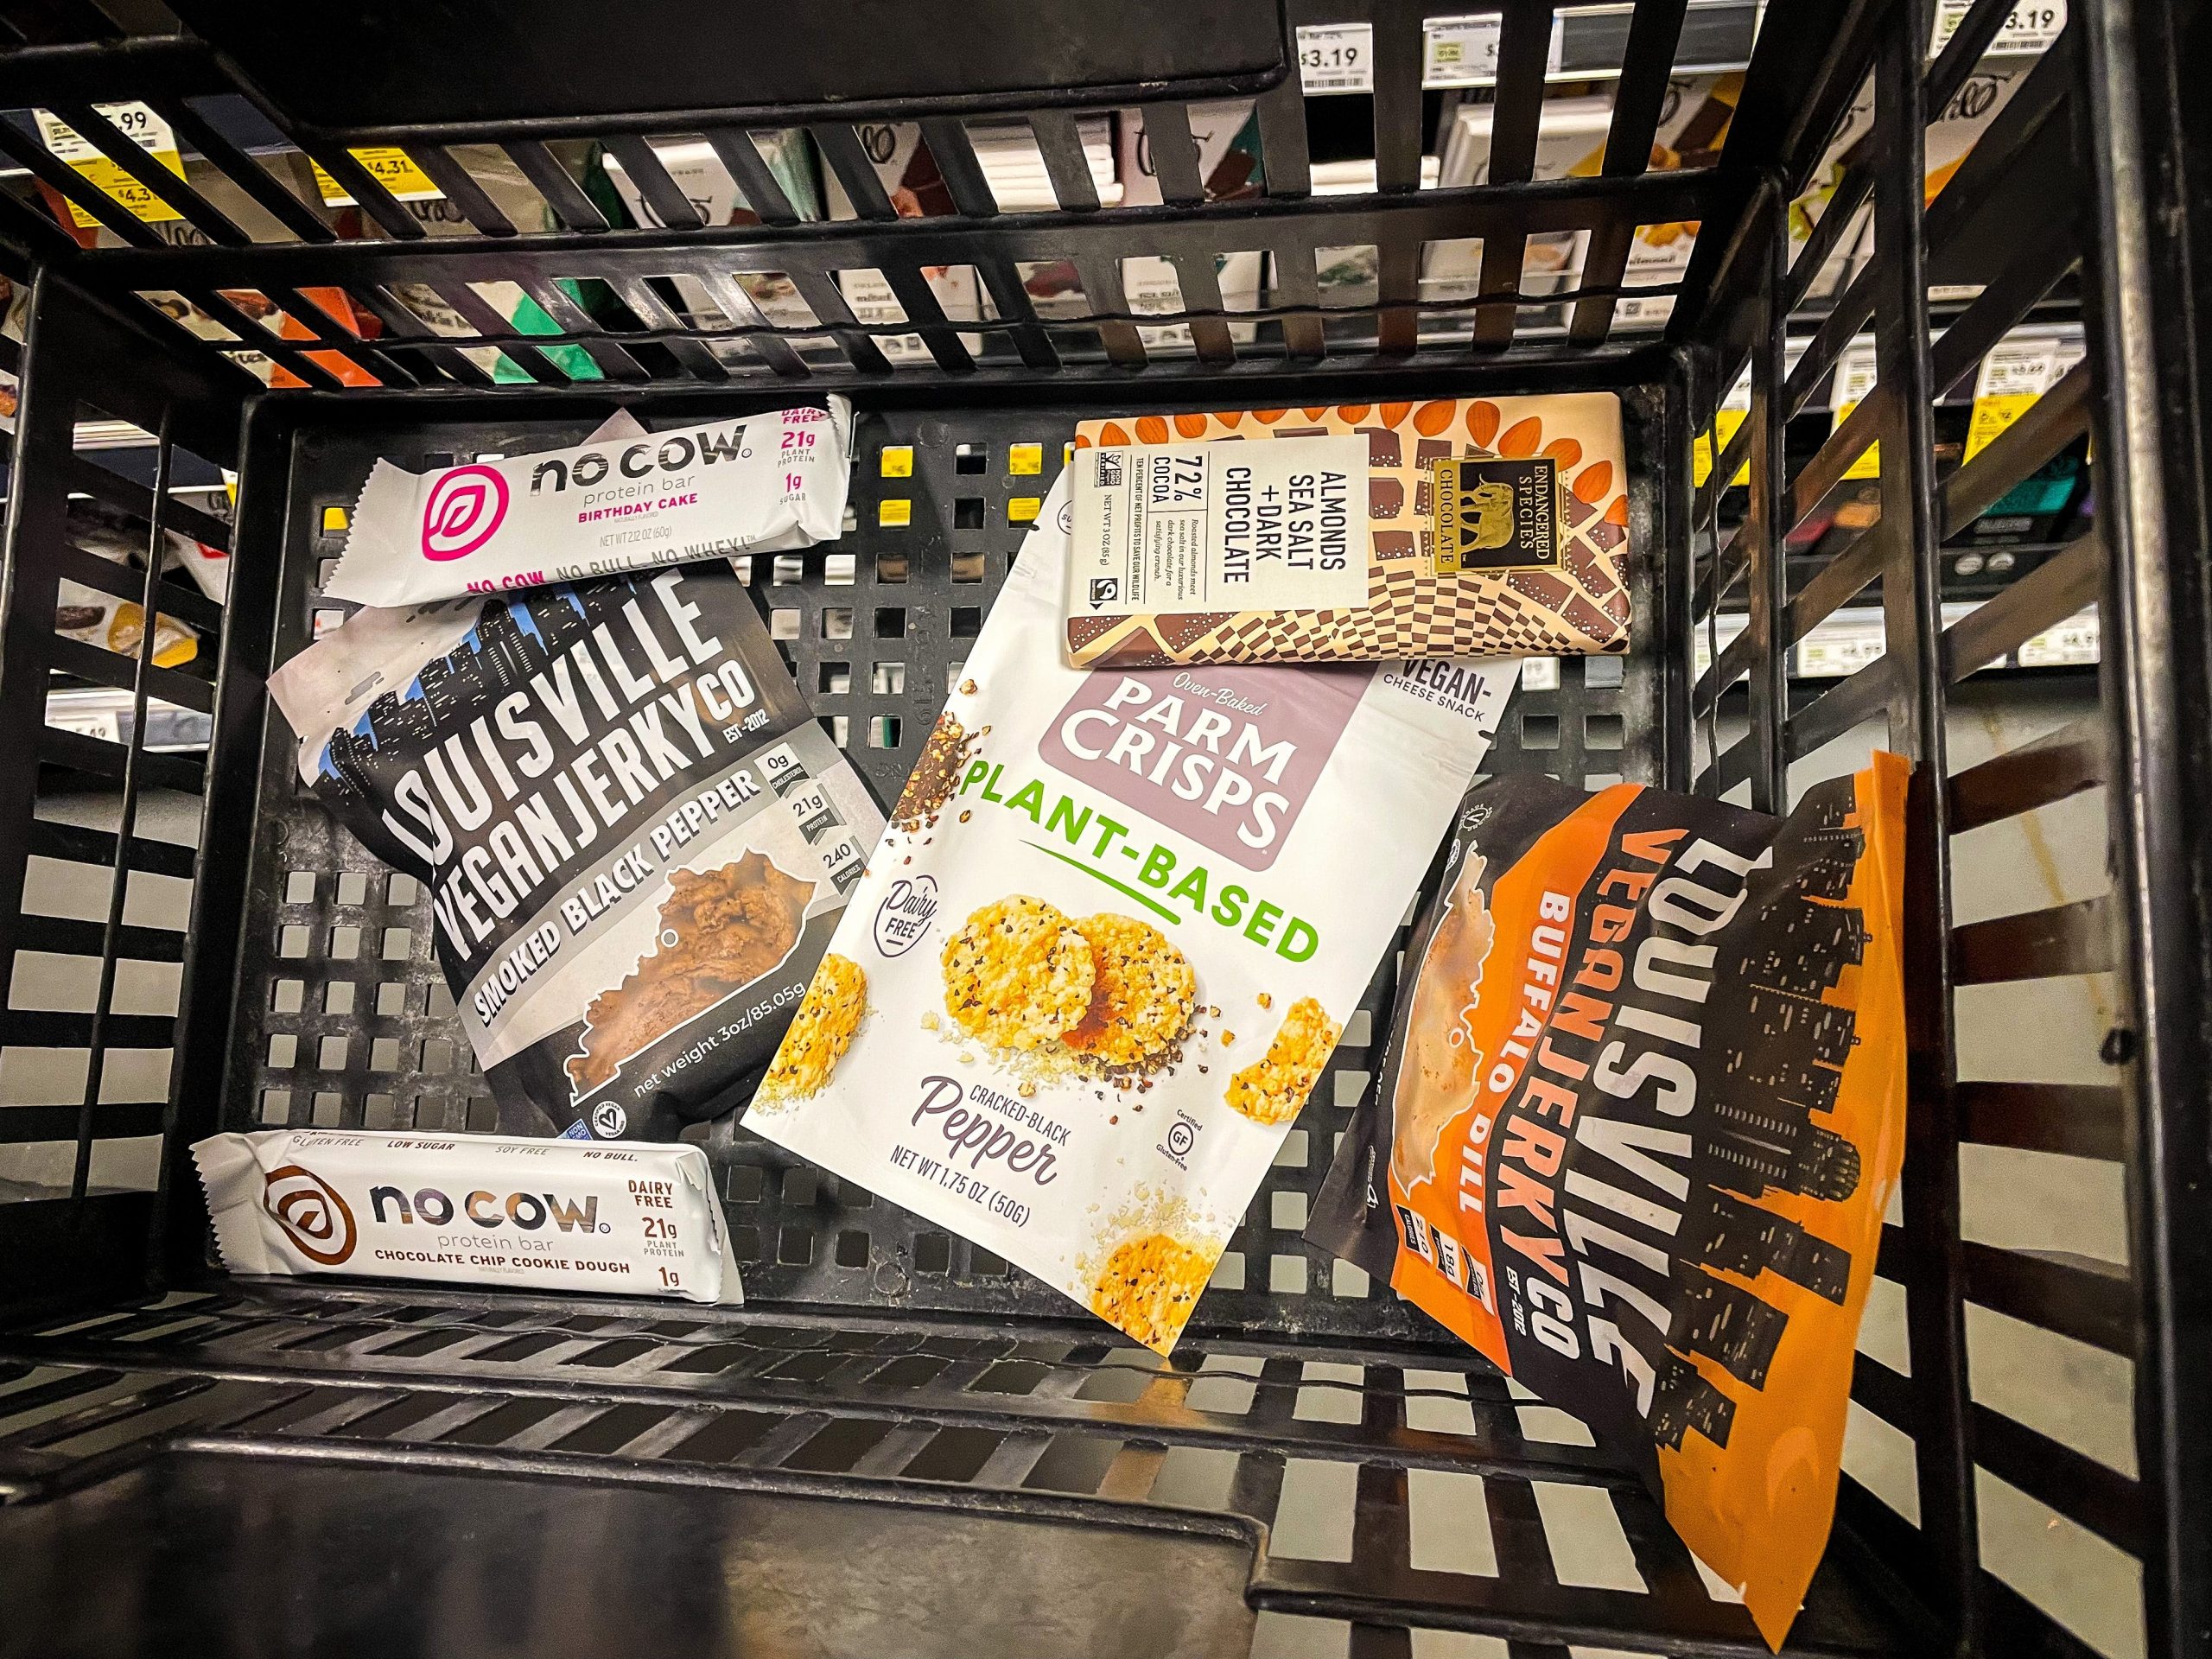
[(637, 838), (470, 1209), (626, 500), (1641, 1113), (1350, 532), (1099, 961)]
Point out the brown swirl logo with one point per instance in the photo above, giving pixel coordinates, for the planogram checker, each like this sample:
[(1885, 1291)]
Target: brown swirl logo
[(311, 1213)]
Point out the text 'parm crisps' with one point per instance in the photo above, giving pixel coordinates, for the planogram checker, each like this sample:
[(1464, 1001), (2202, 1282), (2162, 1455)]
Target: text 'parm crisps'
[(1641, 1115), (1104, 950)]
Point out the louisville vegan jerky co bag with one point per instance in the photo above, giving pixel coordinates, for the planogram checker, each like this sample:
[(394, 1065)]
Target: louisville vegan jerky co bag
[(636, 837), (1100, 958), (1641, 1113)]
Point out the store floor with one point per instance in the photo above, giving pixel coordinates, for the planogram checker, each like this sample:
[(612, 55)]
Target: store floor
[(2045, 1030)]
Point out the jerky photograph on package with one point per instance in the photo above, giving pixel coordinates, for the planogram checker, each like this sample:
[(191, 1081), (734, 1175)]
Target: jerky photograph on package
[(636, 837), (1640, 1117)]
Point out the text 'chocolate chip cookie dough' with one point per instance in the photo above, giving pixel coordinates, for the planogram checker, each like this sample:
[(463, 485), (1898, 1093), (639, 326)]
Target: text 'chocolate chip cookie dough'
[(1110, 938)]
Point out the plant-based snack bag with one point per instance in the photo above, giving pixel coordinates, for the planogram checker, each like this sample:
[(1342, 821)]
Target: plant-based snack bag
[(1358, 532), (1641, 1113), (636, 837), (470, 1209), (625, 499), (1101, 956)]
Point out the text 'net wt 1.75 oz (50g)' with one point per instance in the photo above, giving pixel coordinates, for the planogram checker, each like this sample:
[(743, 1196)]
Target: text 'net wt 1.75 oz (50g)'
[(1103, 953), (1641, 1115), (636, 837)]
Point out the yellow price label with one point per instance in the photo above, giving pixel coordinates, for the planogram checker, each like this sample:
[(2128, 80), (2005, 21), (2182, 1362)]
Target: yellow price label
[(1854, 379), (1869, 464), (144, 129), (1726, 424), (390, 166), (2017, 371), (1992, 415)]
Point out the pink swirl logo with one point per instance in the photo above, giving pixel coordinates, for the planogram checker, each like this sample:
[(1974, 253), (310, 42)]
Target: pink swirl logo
[(466, 506)]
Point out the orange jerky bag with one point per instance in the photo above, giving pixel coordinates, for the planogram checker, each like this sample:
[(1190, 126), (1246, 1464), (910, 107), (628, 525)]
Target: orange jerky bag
[(1641, 1113)]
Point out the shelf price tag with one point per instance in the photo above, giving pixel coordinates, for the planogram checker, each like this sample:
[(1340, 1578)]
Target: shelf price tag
[(388, 164), (1854, 379), (144, 129), (2072, 644), (1734, 409), (1727, 421), (1336, 58), (2018, 371), (2030, 27), (1463, 51)]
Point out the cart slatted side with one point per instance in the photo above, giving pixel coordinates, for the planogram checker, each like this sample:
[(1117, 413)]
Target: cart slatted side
[(93, 991), (695, 304), (1932, 1374), (302, 989)]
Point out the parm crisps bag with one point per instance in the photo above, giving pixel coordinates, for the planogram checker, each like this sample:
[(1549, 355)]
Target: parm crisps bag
[(1641, 1113), (1109, 941)]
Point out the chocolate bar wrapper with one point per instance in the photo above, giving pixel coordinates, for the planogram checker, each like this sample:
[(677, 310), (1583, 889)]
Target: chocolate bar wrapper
[(470, 1209), (637, 838), (1357, 532), (1641, 1113)]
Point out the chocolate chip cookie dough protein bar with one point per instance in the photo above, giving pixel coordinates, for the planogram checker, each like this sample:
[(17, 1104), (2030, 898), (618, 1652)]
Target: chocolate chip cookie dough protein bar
[(470, 1209), (1641, 1115), (1099, 961), (637, 838)]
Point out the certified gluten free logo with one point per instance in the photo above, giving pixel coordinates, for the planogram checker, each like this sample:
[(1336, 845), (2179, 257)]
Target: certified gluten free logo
[(313, 1216)]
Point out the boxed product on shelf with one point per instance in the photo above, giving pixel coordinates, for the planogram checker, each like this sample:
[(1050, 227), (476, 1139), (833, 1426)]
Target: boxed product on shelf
[(1014, 169), (1346, 277), (1952, 133), (1230, 167), (1571, 143), (718, 199), (1571, 129)]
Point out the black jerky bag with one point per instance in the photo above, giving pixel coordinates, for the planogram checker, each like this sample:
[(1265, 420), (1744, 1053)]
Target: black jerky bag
[(636, 837)]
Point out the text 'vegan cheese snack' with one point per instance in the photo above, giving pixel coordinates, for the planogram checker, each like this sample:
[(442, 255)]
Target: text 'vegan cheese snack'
[(1641, 1113), (1353, 532), (1100, 958), (636, 837)]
